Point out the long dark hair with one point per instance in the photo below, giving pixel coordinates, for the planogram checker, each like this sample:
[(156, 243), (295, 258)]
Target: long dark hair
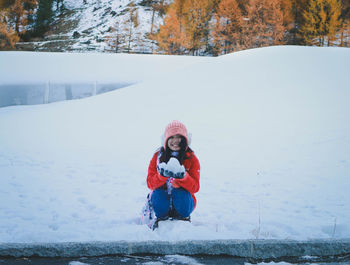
[(184, 153)]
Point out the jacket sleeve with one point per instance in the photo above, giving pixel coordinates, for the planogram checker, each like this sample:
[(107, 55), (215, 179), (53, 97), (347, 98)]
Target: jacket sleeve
[(191, 180), (154, 179)]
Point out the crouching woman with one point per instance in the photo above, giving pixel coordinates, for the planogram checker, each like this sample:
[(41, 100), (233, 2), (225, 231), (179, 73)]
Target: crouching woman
[(173, 175)]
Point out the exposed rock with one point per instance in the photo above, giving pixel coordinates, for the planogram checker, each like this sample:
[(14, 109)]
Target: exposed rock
[(76, 35), (86, 42)]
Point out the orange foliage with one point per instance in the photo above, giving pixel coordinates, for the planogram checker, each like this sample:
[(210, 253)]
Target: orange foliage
[(8, 37), (264, 23), (171, 35), (228, 27)]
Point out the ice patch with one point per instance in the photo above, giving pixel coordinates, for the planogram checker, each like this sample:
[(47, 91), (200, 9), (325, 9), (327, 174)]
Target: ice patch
[(179, 259), (77, 263)]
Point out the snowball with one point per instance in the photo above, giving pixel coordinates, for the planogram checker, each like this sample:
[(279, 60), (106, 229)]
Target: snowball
[(174, 166)]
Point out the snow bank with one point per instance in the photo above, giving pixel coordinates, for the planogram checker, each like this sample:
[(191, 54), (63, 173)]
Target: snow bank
[(29, 78), (270, 127), (33, 67)]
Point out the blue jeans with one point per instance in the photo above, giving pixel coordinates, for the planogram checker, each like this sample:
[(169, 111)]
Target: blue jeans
[(182, 203)]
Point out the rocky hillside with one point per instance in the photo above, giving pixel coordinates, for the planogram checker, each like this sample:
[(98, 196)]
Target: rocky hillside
[(101, 25)]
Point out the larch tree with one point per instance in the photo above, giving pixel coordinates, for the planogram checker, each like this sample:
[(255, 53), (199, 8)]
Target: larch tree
[(333, 19), (311, 29), (227, 29), (8, 36), (14, 17), (171, 36), (276, 21), (288, 20), (298, 7), (345, 27), (179, 6), (263, 25), (321, 22), (186, 26), (18, 12), (197, 16)]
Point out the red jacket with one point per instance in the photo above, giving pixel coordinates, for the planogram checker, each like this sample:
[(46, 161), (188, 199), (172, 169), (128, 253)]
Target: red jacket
[(190, 182)]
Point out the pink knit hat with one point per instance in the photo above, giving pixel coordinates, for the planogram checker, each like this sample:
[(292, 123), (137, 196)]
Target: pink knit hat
[(173, 128)]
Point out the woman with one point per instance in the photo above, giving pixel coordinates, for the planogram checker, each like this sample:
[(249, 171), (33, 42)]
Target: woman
[(173, 175)]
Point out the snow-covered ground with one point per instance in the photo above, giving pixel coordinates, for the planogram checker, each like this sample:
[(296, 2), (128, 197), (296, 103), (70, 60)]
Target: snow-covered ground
[(270, 127)]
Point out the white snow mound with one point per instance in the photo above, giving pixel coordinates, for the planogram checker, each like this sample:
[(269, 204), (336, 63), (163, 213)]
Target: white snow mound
[(270, 128)]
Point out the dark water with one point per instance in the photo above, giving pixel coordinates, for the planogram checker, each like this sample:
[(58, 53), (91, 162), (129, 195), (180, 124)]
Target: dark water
[(172, 259)]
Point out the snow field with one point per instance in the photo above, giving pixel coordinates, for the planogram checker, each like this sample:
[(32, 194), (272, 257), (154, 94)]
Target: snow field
[(270, 128)]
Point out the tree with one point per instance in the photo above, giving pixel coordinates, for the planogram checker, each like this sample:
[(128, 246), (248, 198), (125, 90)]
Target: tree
[(14, 17), (130, 25), (263, 25), (17, 13), (5, 4), (333, 19), (228, 27), (117, 38), (345, 21), (186, 26), (298, 7), (312, 26), (197, 14), (44, 16), (171, 35), (321, 21), (288, 20), (158, 6), (8, 37), (179, 6)]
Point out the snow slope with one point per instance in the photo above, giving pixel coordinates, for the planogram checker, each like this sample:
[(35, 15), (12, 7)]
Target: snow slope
[(41, 67), (270, 127)]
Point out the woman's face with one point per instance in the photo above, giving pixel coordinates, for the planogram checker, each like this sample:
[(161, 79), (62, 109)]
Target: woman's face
[(174, 142)]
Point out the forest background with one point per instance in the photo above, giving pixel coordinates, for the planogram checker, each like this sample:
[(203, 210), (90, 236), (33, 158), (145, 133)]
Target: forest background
[(195, 27)]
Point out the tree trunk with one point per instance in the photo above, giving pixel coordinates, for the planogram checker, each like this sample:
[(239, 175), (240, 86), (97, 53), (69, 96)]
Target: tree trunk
[(152, 23), (17, 23), (342, 38)]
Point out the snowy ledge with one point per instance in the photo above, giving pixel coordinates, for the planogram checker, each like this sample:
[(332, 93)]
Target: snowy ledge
[(258, 249)]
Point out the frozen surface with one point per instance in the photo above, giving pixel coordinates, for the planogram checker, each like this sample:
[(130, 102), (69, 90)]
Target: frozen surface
[(270, 127)]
